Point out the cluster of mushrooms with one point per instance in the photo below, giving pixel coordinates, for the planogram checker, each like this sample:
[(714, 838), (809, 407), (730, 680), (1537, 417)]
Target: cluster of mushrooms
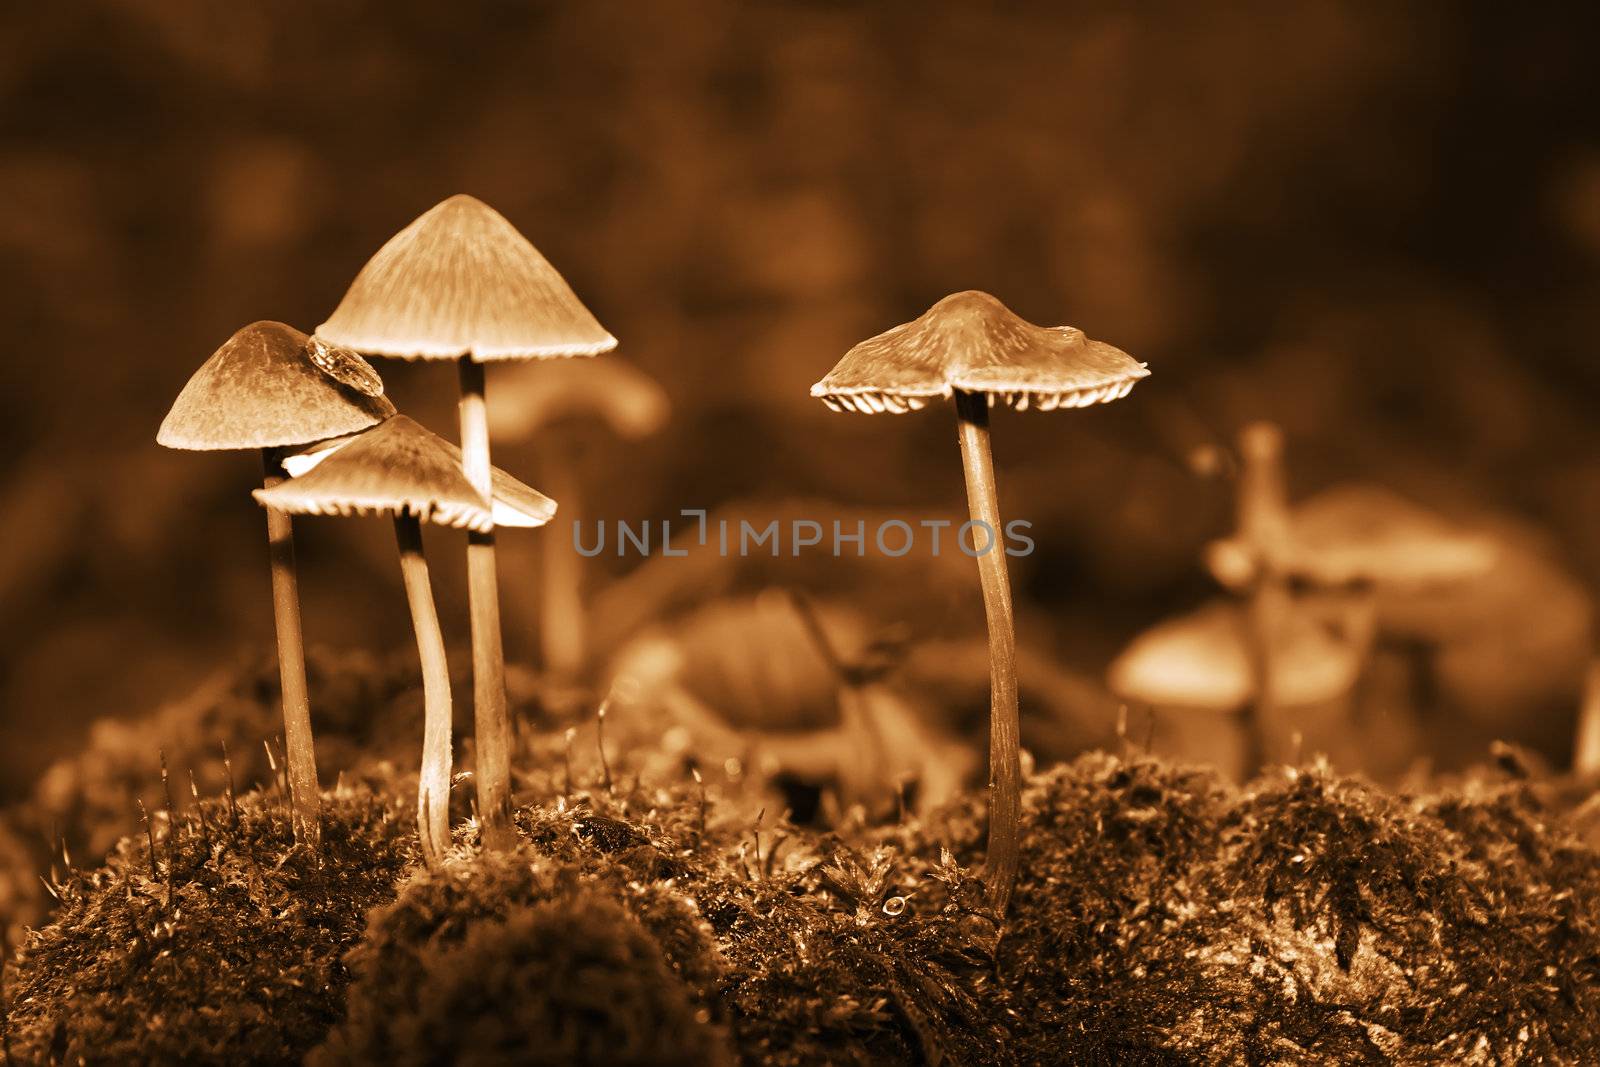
[(461, 283)]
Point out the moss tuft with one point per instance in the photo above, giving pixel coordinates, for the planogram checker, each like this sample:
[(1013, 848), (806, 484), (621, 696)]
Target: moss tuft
[(228, 951), (513, 958)]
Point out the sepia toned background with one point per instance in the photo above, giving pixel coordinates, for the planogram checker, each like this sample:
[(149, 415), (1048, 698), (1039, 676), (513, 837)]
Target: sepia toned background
[(1377, 225)]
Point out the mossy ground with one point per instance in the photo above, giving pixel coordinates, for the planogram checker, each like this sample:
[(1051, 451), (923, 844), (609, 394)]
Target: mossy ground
[(1162, 916)]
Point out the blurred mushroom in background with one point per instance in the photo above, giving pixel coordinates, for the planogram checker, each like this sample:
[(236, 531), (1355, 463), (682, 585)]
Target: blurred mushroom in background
[(531, 403), (1196, 677), (748, 692), (1466, 630)]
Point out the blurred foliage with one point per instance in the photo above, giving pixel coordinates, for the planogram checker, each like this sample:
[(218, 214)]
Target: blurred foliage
[(1376, 224)]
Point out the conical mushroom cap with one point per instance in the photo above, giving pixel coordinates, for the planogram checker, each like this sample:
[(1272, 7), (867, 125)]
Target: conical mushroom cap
[(530, 398), (461, 281), (972, 342), (1200, 661), (515, 504), (270, 386)]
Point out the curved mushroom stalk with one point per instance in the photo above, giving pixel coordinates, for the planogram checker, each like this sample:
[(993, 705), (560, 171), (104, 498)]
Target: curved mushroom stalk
[(305, 797), (401, 469), (433, 783), (1005, 760)]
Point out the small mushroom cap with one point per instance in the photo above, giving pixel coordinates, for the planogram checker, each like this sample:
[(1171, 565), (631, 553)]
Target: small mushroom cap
[(1368, 533), (1200, 661), (271, 386), (515, 504), (461, 281), (530, 398), (972, 342), (1365, 533)]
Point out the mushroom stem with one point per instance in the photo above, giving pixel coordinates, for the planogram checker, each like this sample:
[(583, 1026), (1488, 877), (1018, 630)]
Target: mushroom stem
[(433, 785), (561, 621), (1263, 520), (1005, 762), (1586, 748), (306, 802), (491, 724)]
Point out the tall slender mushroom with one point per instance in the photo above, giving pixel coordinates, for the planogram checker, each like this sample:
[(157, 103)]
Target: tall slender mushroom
[(271, 387), (633, 406), (972, 347), (401, 469), (460, 283)]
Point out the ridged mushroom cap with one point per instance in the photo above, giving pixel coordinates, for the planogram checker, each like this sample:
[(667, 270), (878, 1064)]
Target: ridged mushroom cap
[(396, 467), (270, 386), (529, 398), (1200, 660), (461, 281), (515, 504), (972, 342)]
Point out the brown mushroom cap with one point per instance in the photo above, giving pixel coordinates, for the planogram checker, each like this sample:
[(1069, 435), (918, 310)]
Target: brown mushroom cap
[(1365, 533), (461, 281), (395, 467), (972, 342), (515, 503), (527, 399), (270, 386), (1200, 660)]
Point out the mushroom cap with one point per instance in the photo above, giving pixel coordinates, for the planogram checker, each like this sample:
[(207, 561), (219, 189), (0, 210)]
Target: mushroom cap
[(972, 342), (461, 281), (1365, 533), (531, 398), (269, 386), (515, 503), (1200, 660)]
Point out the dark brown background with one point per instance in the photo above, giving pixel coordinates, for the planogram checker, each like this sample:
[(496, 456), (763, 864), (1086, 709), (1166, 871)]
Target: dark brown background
[(1376, 223)]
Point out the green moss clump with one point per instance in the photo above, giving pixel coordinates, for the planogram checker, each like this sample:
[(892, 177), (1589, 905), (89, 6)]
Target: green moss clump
[(513, 958), (228, 952)]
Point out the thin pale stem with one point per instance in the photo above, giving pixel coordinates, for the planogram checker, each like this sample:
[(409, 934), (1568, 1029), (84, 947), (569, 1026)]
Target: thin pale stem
[(300, 751), (491, 722), (1586, 747), (433, 785), (1005, 762), (561, 617), (1263, 520)]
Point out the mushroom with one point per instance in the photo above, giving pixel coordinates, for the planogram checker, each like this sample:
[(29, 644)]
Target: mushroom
[(625, 399), (401, 469), (1354, 539), (1207, 663), (973, 348), (271, 387), (460, 283)]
